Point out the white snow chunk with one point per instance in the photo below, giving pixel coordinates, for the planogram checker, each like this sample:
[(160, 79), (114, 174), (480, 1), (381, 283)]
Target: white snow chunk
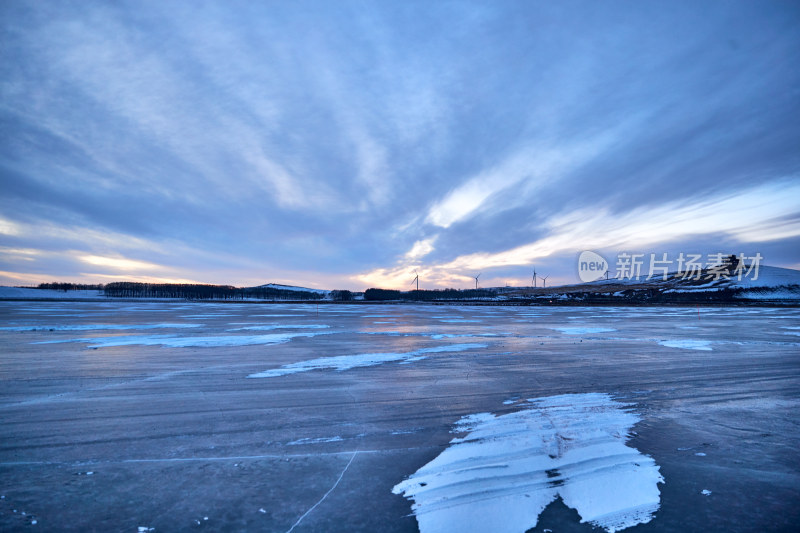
[(687, 344), (705, 492), (507, 469)]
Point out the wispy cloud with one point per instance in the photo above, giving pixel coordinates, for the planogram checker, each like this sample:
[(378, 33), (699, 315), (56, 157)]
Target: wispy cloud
[(749, 215), (536, 165), (119, 263), (420, 249)]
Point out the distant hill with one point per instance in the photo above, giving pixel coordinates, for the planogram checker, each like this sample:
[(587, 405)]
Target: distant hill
[(278, 286), (773, 284)]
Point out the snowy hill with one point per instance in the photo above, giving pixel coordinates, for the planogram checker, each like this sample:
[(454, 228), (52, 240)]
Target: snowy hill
[(25, 293), (770, 277), (771, 284), (292, 288)]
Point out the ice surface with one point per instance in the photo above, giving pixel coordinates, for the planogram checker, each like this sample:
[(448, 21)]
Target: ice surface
[(583, 330), (281, 326), (510, 467), (460, 335), (91, 327), (346, 362), (185, 416), (687, 344)]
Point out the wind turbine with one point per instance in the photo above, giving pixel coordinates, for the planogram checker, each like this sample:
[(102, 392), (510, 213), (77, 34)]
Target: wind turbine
[(534, 278), (416, 278), (476, 280), (544, 281)]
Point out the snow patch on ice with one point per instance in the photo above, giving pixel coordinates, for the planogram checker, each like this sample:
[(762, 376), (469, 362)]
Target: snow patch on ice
[(186, 342), (318, 440), (405, 431), (687, 344), (346, 362), (508, 468)]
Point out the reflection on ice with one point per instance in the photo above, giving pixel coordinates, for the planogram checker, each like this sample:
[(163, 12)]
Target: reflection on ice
[(583, 331), (508, 468), (268, 327)]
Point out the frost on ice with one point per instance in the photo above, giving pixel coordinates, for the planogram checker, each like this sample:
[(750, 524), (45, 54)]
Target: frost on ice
[(346, 362), (687, 344), (508, 468)]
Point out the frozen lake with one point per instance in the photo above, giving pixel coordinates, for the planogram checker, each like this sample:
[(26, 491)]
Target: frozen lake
[(252, 417)]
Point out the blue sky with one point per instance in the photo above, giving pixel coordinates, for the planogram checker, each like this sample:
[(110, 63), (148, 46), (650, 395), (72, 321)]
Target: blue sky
[(347, 144)]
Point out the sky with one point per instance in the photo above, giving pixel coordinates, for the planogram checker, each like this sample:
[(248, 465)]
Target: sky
[(348, 145)]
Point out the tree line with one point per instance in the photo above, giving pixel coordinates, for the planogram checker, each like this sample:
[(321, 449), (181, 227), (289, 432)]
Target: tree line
[(428, 295), (127, 289), (58, 286)]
